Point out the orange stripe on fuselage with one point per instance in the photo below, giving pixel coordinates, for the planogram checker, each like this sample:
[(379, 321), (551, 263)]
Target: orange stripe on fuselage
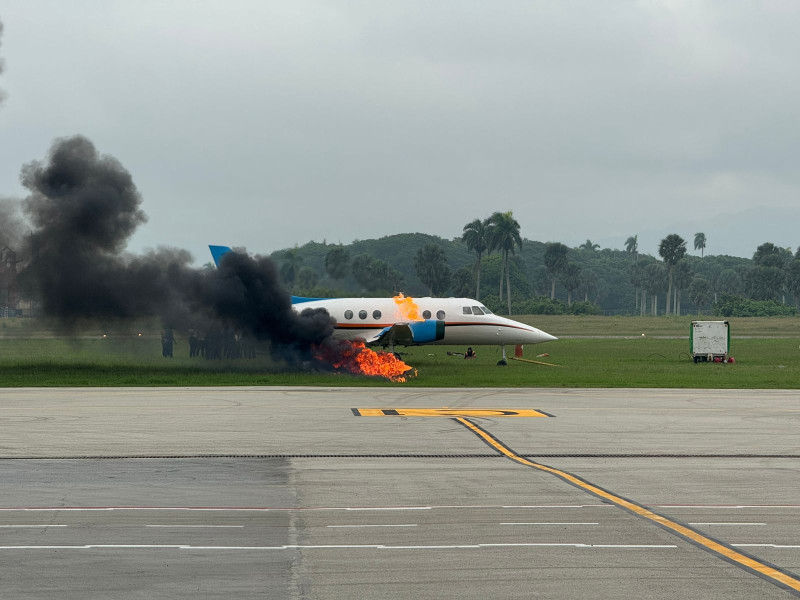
[(451, 324)]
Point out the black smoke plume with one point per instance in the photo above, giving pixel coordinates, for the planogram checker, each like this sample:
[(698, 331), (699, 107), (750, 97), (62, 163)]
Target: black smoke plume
[(84, 207)]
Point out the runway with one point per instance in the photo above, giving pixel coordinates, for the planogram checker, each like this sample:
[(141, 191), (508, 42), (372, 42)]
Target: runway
[(290, 493)]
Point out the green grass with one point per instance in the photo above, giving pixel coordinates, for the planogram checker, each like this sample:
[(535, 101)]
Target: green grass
[(586, 325), (640, 362)]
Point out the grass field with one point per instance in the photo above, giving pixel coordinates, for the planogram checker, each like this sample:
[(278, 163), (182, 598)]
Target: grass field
[(570, 325), (639, 362)]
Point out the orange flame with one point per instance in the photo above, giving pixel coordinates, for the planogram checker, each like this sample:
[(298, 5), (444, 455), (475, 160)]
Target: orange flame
[(354, 357), (407, 307)]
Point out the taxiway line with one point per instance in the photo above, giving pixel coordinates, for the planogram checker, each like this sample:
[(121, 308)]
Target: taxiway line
[(763, 569)]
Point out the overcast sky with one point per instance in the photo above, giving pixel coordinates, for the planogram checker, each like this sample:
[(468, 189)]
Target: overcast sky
[(269, 124)]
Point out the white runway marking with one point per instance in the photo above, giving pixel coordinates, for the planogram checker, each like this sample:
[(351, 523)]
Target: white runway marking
[(549, 506), (383, 508), (292, 509), (198, 526), (726, 506), (727, 524), (333, 547), (357, 526), (780, 546), (549, 523), (30, 526)]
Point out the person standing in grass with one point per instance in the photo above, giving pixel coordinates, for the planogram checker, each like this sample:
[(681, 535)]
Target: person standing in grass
[(193, 345), (167, 342)]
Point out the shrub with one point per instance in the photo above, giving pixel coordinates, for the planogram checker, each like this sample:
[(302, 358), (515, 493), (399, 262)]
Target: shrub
[(737, 306), (585, 308), (539, 305)]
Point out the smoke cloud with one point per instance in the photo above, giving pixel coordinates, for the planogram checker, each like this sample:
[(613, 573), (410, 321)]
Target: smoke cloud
[(12, 224), (84, 207)]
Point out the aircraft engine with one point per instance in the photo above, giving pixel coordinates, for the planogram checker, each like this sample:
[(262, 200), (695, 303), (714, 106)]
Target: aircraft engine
[(423, 332)]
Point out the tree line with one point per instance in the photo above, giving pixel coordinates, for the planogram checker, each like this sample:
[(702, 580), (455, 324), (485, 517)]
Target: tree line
[(491, 262)]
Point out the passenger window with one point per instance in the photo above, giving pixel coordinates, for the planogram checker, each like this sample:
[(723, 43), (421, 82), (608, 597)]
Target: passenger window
[(440, 315), (426, 314), (467, 310), (476, 310), (348, 314), (362, 314), (376, 314)]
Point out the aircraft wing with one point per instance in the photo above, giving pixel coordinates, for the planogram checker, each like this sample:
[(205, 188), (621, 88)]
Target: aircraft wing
[(378, 336), (414, 332)]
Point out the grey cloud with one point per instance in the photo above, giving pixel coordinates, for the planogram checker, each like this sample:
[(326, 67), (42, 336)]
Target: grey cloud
[(586, 119)]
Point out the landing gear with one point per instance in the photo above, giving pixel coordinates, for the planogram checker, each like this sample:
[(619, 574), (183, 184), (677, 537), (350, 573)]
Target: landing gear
[(503, 362)]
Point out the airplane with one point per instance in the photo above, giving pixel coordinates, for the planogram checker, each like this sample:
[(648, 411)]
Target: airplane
[(411, 322)]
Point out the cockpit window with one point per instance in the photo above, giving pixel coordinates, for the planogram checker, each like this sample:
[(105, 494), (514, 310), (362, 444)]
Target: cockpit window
[(362, 314), (426, 314), (467, 310), (476, 310), (485, 310), (440, 315)]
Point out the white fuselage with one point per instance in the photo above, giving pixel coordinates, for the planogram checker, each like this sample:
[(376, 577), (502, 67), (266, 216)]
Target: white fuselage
[(364, 317)]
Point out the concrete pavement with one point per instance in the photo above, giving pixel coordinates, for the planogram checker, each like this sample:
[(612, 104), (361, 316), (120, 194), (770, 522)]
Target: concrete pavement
[(389, 526)]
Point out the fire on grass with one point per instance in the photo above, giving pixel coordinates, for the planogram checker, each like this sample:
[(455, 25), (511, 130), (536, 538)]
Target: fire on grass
[(354, 357)]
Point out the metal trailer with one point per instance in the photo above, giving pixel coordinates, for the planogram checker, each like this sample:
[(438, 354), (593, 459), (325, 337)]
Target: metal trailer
[(709, 341)]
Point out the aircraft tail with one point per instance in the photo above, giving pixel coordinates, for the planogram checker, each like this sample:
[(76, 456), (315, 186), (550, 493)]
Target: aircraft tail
[(217, 252)]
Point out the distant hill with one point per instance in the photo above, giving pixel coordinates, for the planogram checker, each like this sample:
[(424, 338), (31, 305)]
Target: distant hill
[(397, 250), (613, 290)]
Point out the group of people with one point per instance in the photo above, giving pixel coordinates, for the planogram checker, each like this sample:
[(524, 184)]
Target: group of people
[(216, 344)]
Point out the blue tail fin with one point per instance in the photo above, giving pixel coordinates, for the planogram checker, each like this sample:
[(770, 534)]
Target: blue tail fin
[(217, 252)]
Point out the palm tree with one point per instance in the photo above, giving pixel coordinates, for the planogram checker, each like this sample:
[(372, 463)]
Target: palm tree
[(463, 284), (700, 242), (793, 281), (476, 237), (768, 255), (572, 280), (683, 277), (655, 283), (589, 246), (588, 284), (632, 246), (672, 249), (700, 292), (730, 282), (555, 259), (638, 277), (764, 283), (432, 270), (504, 236)]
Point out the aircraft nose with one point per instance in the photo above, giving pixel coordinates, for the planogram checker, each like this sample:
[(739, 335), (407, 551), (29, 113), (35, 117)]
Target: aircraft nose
[(542, 336)]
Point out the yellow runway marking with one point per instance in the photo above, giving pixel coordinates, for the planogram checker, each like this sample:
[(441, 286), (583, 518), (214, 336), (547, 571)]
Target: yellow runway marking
[(447, 412), (761, 568)]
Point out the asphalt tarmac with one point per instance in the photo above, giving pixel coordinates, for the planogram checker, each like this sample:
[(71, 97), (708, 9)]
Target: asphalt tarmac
[(287, 493)]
